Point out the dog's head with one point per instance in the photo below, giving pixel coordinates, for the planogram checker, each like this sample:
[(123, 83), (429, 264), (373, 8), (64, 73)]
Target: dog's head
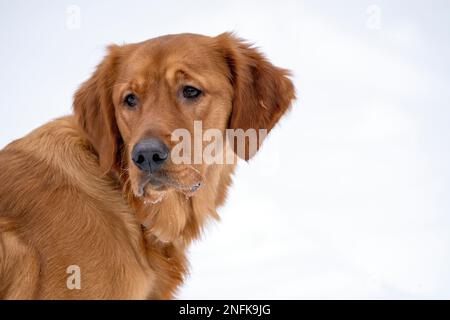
[(142, 93)]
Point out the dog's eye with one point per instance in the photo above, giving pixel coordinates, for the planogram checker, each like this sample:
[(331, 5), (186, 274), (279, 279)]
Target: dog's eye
[(190, 92), (131, 100)]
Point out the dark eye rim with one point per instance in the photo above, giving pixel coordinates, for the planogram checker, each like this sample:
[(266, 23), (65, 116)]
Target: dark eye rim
[(128, 103), (194, 94)]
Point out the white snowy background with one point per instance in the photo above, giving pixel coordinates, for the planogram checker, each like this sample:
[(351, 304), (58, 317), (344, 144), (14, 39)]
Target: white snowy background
[(349, 197)]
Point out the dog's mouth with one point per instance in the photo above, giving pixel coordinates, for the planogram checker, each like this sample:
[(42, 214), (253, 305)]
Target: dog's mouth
[(153, 187)]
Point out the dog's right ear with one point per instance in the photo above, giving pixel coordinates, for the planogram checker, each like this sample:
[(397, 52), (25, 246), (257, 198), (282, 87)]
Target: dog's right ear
[(262, 92), (94, 110)]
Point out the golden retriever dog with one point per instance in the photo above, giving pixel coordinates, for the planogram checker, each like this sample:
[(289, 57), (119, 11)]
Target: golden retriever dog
[(94, 205)]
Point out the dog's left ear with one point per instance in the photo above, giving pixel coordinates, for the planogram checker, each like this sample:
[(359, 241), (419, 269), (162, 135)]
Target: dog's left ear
[(94, 110), (262, 92)]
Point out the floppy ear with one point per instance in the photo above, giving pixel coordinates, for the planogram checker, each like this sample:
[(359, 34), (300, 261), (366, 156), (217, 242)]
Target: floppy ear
[(94, 111), (262, 92)]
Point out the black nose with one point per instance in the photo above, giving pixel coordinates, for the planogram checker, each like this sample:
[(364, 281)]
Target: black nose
[(150, 154)]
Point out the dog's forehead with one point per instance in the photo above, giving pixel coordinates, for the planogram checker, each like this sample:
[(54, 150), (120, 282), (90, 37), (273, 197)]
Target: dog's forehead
[(196, 52)]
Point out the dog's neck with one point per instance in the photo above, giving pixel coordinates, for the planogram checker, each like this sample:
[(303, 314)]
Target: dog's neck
[(178, 218)]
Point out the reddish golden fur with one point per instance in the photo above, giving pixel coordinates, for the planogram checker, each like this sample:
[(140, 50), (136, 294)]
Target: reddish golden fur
[(67, 192)]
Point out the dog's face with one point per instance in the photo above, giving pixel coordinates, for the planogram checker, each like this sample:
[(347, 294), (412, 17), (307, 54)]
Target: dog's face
[(142, 93), (166, 84)]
